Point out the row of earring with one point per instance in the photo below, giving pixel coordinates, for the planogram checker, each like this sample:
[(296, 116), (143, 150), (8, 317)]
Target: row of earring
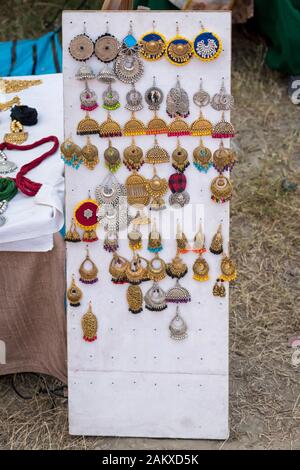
[(90, 324), (124, 271), (139, 270), (222, 159), (152, 46), (111, 206), (177, 127), (177, 100)]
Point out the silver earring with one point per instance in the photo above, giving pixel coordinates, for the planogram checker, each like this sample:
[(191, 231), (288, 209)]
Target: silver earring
[(154, 97), (178, 294), (110, 99), (134, 100), (222, 101), (6, 166), (155, 298), (178, 327), (201, 98), (177, 101), (128, 66)]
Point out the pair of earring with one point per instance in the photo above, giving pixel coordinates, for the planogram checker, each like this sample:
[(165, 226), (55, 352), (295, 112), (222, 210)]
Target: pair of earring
[(74, 156), (108, 128), (105, 48), (221, 101), (72, 234), (89, 323), (206, 46)]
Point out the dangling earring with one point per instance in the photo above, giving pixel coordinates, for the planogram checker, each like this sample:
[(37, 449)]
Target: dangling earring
[(155, 298), (180, 158), (81, 47), (152, 45), (216, 246), (117, 269), (177, 184), (223, 129), (221, 189), (89, 325), (133, 157), (135, 299), (90, 154), (222, 101), (156, 154), (155, 273), (154, 97), (135, 271), (106, 75), (87, 126), (134, 100), (178, 327), (179, 50), (199, 241), (110, 99), (224, 159), (200, 269), (85, 72), (128, 66), (110, 128), (134, 126), (201, 126), (16, 135), (7, 166), (207, 45), (178, 127), (177, 101), (135, 238), (141, 218), (112, 158), (71, 154), (177, 268), (111, 243), (85, 216), (107, 47), (219, 288), (228, 269), (202, 158), (201, 98), (72, 235), (110, 191), (88, 99), (88, 276), (137, 194), (154, 239), (181, 240), (74, 294), (178, 294), (156, 188)]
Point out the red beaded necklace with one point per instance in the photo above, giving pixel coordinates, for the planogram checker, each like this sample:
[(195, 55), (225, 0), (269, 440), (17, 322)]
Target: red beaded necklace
[(24, 184)]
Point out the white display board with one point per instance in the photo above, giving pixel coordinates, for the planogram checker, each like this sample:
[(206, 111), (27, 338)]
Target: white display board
[(135, 380)]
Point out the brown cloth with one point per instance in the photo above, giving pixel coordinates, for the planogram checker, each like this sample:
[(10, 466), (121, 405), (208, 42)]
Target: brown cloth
[(32, 311), (242, 10)]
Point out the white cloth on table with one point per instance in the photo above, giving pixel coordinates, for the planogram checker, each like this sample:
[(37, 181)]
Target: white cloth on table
[(31, 221)]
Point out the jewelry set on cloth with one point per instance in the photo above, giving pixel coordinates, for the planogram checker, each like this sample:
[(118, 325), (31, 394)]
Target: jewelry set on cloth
[(123, 61)]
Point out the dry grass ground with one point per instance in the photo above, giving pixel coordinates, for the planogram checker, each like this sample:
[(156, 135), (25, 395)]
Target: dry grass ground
[(265, 388)]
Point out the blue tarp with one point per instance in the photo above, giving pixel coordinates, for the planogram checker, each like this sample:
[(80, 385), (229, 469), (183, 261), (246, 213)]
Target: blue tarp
[(31, 56)]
